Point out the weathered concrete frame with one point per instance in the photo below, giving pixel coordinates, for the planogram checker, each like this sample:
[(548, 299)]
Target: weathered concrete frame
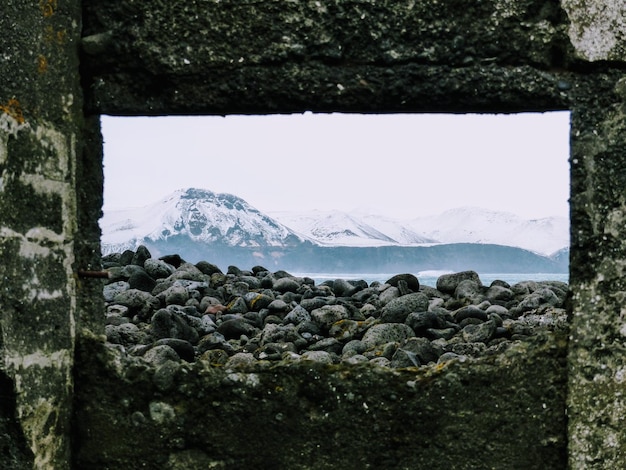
[(222, 57)]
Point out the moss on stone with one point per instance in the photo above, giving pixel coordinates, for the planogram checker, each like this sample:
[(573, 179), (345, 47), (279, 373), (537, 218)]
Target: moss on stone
[(311, 415)]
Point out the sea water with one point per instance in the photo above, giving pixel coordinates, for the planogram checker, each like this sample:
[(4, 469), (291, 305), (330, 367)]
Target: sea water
[(429, 278)]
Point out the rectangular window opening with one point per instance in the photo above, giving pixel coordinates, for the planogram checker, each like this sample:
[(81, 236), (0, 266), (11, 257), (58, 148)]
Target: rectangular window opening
[(344, 195)]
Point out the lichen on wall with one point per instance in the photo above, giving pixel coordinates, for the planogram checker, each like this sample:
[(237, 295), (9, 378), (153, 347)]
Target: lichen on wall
[(597, 28)]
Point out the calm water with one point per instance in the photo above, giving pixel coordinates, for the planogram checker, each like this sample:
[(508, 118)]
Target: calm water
[(429, 278)]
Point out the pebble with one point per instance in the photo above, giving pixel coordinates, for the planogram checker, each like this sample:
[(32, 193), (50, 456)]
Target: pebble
[(167, 310)]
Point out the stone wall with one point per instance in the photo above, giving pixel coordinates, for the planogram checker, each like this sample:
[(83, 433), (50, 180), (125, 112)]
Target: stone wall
[(40, 145), (220, 57)]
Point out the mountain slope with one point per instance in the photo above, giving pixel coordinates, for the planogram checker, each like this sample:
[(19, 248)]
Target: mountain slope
[(463, 225), (336, 228), (202, 225), (474, 225), (200, 215)]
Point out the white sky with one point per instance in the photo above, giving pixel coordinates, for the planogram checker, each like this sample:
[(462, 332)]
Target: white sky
[(401, 165)]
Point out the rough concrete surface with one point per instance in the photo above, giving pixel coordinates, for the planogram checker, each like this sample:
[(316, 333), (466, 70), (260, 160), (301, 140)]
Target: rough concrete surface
[(507, 411), (223, 57), (40, 116)]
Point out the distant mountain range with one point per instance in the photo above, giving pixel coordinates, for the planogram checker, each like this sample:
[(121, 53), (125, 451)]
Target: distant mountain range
[(463, 225), (224, 229)]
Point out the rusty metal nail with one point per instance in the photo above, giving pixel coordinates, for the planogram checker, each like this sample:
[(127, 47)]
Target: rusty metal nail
[(93, 274)]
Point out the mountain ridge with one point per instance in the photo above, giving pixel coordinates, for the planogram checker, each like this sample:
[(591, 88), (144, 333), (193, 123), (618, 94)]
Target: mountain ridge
[(200, 221)]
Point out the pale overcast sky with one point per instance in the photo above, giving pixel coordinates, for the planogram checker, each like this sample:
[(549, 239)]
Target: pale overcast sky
[(401, 165)]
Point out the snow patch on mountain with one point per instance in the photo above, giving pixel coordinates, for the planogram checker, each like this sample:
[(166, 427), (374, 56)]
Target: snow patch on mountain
[(336, 228), (476, 225), (201, 215)]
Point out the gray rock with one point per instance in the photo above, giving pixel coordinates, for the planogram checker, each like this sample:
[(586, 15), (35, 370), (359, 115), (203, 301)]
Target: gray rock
[(450, 356), (125, 334), (139, 303), (141, 255), (499, 293), (468, 349), (233, 329), (440, 333), (346, 329), (285, 326), (275, 351), (286, 284), (175, 295), (183, 348), (411, 281), (174, 260), (298, 315), (548, 296), (213, 341), (117, 315), (159, 355), (524, 288), (208, 268), (469, 290), (382, 350), (164, 377), (330, 345), (403, 358), (380, 361), (278, 305), (141, 280), (237, 305), (203, 325), (422, 321), (313, 303), (126, 257), (423, 349), (397, 310), (251, 281), (309, 328), (470, 311), (275, 333), (388, 295), (355, 359), (498, 310), (188, 271), (355, 346), (368, 294), (240, 360), (165, 324), (158, 269), (344, 288), (387, 332), (236, 288), (480, 333), (112, 290), (318, 356), (447, 283), (327, 315), (256, 301)]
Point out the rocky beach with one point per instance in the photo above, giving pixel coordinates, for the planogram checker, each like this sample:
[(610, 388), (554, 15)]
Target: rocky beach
[(169, 310)]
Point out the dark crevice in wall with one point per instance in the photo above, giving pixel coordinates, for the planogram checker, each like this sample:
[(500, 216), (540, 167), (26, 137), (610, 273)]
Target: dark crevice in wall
[(14, 451)]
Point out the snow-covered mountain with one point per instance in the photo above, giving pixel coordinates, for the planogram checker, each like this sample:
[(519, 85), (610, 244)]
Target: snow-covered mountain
[(201, 216), (462, 225), (336, 228), (474, 225)]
